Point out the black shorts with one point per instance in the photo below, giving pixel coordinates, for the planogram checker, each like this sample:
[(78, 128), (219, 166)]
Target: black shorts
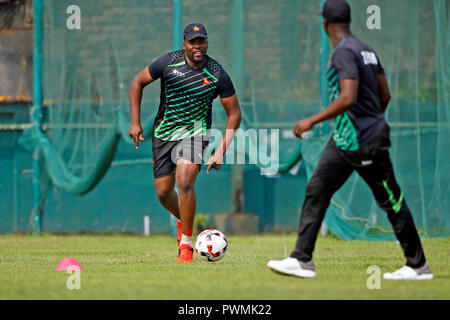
[(167, 153)]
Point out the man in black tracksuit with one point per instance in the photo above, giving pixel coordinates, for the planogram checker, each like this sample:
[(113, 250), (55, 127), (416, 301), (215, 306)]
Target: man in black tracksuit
[(359, 95)]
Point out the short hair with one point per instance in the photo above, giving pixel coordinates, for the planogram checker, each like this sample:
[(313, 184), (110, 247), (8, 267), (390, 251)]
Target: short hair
[(341, 25)]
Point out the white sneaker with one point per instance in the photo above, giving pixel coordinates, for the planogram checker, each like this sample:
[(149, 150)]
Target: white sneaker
[(408, 273), (293, 267)]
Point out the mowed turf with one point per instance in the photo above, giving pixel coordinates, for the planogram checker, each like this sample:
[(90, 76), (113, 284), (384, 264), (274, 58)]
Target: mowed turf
[(129, 267)]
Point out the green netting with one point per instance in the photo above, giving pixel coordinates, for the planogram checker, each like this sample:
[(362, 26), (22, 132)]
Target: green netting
[(272, 51)]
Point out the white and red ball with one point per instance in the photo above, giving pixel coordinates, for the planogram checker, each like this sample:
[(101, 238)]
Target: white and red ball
[(211, 245)]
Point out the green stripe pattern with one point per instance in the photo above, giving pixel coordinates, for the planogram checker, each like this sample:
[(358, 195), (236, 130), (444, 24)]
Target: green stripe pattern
[(345, 134), (177, 64), (187, 102), (396, 204)]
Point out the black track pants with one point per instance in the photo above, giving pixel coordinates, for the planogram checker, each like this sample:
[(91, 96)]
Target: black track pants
[(375, 167)]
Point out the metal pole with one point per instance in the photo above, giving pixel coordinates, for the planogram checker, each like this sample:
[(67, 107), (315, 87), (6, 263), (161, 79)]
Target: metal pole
[(237, 43), (237, 31), (324, 55), (36, 113), (177, 24), (177, 39)]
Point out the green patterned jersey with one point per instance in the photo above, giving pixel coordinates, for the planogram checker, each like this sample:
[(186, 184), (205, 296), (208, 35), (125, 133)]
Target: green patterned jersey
[(361, 123), (187, 95)]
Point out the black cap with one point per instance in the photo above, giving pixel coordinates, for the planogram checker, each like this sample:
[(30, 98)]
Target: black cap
[(336, 11), (195, 30)]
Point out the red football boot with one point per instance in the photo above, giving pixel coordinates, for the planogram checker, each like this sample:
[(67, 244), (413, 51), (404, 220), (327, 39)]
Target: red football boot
[(186, 253)]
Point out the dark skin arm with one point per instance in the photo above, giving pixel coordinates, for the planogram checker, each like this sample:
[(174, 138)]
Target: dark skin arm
[(138, 84), (383, 92), (347, 98), (231, 106)]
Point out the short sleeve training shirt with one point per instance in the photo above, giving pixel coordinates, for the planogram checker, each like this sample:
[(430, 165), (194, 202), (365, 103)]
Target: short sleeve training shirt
[(360, 124), (186, 95)]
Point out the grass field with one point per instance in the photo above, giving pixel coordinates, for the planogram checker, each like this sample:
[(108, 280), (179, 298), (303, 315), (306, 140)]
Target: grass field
[(129, 267)]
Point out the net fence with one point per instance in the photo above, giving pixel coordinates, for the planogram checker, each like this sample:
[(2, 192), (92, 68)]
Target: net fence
[(272, 51)]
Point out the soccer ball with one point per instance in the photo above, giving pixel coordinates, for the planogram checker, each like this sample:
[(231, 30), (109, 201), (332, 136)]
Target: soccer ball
[(211, 245)]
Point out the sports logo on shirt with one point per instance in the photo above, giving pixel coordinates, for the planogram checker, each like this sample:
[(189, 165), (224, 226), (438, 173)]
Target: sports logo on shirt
[(205, 82), (369, 57), (178, 73)]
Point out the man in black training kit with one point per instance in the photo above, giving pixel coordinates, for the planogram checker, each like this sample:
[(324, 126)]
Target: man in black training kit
[(359, 95), (190, 81)]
